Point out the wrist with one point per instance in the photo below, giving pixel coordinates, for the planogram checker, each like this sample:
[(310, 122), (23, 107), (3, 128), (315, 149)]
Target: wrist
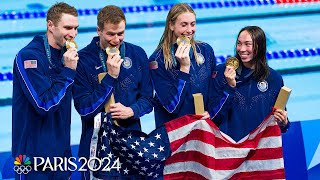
[(114, 76), (185, 69)]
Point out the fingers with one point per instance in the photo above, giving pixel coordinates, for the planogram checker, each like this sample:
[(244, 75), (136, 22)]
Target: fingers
[(183, 50), (230, 75), (71, 58), (281, 116), (182, 55), (205, 115), (114, 62), (119, 111), (71, 55)]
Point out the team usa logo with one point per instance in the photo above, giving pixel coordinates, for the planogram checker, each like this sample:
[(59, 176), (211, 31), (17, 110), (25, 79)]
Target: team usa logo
[(262, 86), (127, 63), (22, 164)]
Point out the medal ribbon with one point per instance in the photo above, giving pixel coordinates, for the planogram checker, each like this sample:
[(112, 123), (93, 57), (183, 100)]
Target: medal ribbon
[(48, 51)]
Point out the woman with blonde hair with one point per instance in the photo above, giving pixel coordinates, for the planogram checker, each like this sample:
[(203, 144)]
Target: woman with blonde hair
[(180, 66)]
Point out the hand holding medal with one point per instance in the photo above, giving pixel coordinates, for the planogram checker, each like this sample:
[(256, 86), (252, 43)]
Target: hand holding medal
[(114, 61), (233, 62), (182, 53), (183, 39), (71, 57), (71, 44)]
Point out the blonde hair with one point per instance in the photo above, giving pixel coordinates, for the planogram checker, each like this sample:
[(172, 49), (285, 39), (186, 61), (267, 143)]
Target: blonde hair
[(166, 38)]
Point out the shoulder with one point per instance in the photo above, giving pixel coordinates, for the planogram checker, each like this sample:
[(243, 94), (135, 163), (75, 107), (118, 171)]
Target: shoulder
[(134, 48), (33, 51), (203, 46), (90, 48), (275, 75), (220, 68), (275, 78), (89, 54), (156, 55)]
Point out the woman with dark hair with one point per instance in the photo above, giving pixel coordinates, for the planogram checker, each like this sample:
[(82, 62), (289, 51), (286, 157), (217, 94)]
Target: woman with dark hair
[(179, 70), (241, 98)]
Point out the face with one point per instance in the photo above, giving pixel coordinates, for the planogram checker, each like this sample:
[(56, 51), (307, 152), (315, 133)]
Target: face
[(245, 48), (185, 24), (111, 34), (66, 28)]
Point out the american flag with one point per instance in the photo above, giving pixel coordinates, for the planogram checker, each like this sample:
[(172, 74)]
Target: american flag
[(30, 64), (193, 149)]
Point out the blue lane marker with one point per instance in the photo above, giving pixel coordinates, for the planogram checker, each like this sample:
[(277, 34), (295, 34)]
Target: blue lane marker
[(137, 9), (282, 54)]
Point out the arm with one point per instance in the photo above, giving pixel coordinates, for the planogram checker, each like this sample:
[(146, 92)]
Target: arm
[(88, 99), (220, 96), (281, 116), (171, 89), (44, 94), (144, 103)]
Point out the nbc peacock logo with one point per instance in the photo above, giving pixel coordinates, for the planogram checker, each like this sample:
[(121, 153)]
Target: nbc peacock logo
[(22, 164)]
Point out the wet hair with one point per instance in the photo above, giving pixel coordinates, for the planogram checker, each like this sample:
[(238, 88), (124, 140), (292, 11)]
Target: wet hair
[(110, 14), (55, 12), (167, 36), (259, 59)]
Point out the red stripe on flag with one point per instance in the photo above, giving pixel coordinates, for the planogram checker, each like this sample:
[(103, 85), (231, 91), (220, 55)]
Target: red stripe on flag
[(198, 146), (226, 163), (217, 142), (181, 121)]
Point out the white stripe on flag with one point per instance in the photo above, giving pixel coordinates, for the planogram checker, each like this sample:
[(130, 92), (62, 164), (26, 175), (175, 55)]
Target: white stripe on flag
[(226, 152)]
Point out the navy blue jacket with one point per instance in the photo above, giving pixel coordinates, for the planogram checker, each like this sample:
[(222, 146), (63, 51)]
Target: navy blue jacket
[(174, 88), (41, 102), (238, 111), (132, 88)]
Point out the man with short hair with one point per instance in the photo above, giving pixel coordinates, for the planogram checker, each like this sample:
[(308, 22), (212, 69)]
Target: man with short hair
[(43, 74), (127, 78)]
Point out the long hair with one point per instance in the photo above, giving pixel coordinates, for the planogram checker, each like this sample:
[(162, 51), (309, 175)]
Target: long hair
[(259, 60), (167, 36)]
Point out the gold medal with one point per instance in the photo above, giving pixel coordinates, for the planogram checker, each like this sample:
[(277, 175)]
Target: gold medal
[(232, 61), (112, 50), (71, 44), (183, 39)]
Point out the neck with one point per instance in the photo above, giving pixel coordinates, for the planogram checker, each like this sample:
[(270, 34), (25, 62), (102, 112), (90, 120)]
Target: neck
[(52, 41), (248, 65)]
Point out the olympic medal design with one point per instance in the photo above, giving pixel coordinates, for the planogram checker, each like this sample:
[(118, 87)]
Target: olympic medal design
[(183, 39), (112, 50), (71, 44), (233, 62)]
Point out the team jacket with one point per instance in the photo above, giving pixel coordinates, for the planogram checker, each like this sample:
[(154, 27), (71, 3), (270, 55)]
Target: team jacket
[(132, 88), (41, 102), (174, 88), (237, 111)]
